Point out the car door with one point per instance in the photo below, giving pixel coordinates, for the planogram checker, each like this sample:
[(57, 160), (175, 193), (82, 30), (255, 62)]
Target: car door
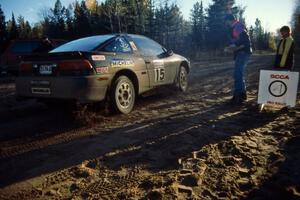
[(126, 57), (154, 55)]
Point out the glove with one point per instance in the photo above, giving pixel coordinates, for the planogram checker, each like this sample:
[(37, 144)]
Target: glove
[(230, 49)]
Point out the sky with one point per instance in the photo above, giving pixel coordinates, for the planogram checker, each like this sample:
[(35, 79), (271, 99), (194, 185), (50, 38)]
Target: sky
[(272, 13)]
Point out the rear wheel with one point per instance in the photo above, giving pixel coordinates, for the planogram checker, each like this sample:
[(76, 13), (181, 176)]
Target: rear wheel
[(123, 95), (183, 79)]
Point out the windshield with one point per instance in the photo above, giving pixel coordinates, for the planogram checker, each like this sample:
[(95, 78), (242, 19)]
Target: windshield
[(84, 44)]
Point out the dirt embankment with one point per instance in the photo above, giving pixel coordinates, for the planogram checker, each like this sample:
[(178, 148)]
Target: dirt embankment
[(173, 146)]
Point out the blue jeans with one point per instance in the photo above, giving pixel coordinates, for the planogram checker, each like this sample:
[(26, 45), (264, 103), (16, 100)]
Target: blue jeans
[(241, 61)]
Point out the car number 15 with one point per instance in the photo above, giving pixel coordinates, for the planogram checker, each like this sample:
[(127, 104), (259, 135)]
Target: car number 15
[(159, 74)]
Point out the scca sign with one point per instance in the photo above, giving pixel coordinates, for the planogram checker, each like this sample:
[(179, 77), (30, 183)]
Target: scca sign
[(280, 76), (278, 88)]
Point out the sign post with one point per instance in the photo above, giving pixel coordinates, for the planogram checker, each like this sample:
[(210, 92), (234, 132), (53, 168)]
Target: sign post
[(278, 88)]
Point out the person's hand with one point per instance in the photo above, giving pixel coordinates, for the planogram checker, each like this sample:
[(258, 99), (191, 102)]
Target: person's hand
[(230, 49), (226, 50)]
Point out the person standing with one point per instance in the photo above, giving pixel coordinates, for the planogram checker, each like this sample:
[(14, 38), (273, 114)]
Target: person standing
[(45, 46), (242, 50), (284, 59)]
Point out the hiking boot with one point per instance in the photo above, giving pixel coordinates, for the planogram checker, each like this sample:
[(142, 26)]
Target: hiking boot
[(244, 96), (238, 99)]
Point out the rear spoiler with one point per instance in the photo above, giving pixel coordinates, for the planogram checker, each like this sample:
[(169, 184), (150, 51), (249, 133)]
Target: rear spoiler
[(54, 56)]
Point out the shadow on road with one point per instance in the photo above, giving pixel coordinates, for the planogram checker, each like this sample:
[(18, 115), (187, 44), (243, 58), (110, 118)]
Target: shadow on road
[(285, 183), (156, 144)]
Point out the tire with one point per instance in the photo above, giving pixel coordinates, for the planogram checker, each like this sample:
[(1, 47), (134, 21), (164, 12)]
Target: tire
[(123, 95), (182, 81)]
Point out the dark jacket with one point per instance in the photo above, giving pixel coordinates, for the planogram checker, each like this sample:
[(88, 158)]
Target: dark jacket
[(240, 37), (244, 40), (44, 47), (285, 54)]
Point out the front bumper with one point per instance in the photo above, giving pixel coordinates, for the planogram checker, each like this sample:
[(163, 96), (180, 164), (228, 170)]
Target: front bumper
[(83, 89)]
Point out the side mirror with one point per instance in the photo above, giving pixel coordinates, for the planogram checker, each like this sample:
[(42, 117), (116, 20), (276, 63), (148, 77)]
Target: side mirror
[(170, 52)]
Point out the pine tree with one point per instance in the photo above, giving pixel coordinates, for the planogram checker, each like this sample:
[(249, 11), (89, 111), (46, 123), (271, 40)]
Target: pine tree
[(217, 34), (47, 26), (158, 27), (100, 21), (69, 31), (175, 25), (261, 39), (296, 27), (24, 28), (240, 15), (150, 21), (198, 26), (91, 5), (259, 35), (81, 20), (37, 31), (142, 8), (113, 11), (57, 20), (252, 37), (272, 42), (158, 19), (296, 23), (3, 33), (169, 27), (12, 28), (130, 20)]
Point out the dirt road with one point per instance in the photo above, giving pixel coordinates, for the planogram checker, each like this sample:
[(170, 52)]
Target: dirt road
[(172, 146)]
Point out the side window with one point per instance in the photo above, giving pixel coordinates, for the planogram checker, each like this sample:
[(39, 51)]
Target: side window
[(119, 45), (147, 46)]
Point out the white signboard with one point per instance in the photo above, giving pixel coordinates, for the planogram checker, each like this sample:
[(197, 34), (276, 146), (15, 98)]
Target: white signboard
[(278, 88)]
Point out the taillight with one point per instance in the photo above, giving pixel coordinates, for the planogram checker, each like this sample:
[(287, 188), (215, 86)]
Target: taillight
[(75, 67), (70, 65), (66, 67), (26, 66)]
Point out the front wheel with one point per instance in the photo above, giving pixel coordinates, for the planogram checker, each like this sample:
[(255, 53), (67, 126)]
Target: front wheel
[(123, 95), (183, 79)]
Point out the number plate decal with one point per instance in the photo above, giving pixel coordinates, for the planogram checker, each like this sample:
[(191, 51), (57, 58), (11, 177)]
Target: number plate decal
[(159, 74), (159, 70), (46, 69), (41, 91)]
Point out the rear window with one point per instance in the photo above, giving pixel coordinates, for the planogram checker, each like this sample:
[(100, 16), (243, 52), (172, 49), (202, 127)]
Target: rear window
[(25, 47), (84, 44), (58, 43)]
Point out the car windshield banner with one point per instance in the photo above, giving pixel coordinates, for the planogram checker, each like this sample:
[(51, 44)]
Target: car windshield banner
[(278, 88)]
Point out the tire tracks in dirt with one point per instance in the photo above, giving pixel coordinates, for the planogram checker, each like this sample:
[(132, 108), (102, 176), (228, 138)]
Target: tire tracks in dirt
[(147, 154), (65, 134)]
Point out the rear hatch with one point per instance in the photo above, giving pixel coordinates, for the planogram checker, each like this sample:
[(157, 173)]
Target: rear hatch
[(57, 64)]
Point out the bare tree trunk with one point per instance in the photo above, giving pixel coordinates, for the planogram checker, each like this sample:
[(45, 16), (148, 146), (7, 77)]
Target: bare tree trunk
[(139, 11), (117, 14), (109, 13)]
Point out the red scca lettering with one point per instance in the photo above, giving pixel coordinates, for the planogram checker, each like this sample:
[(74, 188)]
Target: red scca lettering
[(278, 76)]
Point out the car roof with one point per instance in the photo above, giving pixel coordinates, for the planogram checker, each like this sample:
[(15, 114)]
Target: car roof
[(118, 34), (35, 40)]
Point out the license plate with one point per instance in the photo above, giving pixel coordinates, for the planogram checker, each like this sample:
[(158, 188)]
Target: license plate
[(40, 90), (40, 83), (46, 69)]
